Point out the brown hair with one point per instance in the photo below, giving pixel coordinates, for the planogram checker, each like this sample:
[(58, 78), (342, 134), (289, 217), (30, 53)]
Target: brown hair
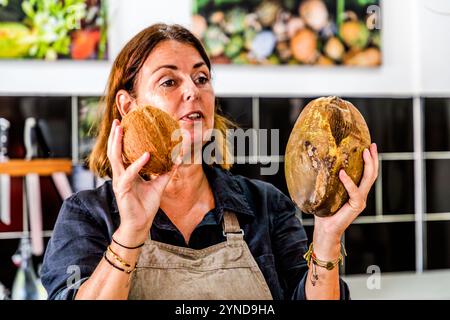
[(124, 74)]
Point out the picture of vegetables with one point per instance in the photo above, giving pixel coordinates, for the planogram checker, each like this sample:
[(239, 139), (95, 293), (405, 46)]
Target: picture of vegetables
[(51, 22), (53, 29), (15, 40), (293, 32)]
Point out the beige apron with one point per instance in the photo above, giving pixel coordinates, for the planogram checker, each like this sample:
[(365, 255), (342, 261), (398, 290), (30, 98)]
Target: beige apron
[(225, 271)]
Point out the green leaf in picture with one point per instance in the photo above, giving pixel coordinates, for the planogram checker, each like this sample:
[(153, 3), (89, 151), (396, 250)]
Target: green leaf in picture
[(51, 55), (234, 46), (364, 3), (340, 8), (221, 2), (199, 5), (51, 22), (290, 4), (4, 3), (27, 8), (103, 31)]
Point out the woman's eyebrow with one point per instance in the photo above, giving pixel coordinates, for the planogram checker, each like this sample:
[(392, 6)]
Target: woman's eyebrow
[(198, 64), (174, 67), (168, 66)]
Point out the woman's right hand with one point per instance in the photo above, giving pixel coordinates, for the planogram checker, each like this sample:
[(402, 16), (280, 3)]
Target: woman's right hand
[(138, 200)]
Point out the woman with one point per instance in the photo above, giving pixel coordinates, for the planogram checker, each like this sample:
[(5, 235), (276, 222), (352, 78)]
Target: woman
[(197, 232)]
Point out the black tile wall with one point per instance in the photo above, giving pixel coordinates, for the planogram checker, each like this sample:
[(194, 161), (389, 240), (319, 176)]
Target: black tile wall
[(281, 114), (237, 109), (438, 185), (254, 171), (437, 124), (390, 246), (398, 187), (390, 122), (438, 244)]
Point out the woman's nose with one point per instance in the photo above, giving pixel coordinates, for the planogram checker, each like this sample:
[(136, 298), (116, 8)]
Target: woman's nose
[(190, 90)]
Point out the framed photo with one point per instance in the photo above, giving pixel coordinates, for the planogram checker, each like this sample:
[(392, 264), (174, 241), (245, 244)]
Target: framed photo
[(290, 32), (53, 29)]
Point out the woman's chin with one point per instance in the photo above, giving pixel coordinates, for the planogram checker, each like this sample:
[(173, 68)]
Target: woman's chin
[(192, 152)]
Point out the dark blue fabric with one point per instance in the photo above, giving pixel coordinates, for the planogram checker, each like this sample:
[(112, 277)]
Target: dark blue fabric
[(274, 234)]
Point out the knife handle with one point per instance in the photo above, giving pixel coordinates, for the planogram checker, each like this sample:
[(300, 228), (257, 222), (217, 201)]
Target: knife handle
[(5, 180), (4, 128)]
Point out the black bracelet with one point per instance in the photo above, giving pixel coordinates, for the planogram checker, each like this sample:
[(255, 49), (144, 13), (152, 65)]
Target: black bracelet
[(118, 268), (123, 246)]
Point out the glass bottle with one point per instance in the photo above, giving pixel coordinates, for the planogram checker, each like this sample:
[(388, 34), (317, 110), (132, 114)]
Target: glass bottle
[(26, 285)]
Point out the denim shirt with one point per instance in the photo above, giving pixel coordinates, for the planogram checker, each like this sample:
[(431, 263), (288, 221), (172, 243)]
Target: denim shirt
[(272, 231)]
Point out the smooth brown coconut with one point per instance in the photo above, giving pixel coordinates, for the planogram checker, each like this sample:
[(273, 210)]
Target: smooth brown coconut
[(149, 129), (330, 134)]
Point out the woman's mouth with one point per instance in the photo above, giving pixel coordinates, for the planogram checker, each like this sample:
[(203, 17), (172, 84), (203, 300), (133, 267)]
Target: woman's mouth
[(192, 116)]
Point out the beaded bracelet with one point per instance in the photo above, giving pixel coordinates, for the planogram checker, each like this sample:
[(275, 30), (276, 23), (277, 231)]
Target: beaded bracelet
[(310, 256)]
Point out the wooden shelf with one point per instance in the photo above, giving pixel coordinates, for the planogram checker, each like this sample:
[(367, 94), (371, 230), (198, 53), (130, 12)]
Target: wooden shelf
[(43, 167)]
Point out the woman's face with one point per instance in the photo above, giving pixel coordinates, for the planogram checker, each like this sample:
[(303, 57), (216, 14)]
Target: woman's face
[(176, 79)]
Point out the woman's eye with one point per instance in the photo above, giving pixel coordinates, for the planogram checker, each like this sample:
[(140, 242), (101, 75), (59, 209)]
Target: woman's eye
[(168, 83), (202, 80)]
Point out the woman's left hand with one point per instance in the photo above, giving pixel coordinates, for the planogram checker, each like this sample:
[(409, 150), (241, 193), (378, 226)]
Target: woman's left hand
[(329, 230)]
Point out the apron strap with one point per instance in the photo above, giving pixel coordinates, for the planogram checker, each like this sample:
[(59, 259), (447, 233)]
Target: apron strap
[(231, 227)]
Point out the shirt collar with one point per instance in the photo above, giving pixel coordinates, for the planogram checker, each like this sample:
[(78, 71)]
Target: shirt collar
[(228, 196)]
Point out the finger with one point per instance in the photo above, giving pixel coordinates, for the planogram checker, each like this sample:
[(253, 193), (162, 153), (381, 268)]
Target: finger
[(350, 186), (374, 154), (111, 136), (356, 200), (116, 151), (132, 172), (370, 169), (109, 151)]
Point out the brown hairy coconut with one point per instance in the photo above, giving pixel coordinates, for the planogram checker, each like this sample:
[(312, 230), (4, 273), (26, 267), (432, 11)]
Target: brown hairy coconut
[(330, 134), (149, 129)]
